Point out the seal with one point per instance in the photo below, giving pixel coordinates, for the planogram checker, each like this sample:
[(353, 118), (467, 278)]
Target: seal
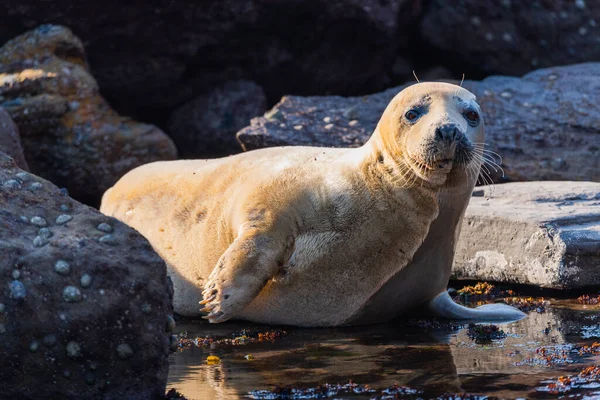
[(313, 236)]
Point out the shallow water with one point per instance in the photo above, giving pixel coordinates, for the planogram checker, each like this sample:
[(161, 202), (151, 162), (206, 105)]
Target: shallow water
[(426, 356)]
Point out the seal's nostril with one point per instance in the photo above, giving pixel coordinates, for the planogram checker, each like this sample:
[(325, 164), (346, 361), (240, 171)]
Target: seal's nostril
[(447, 132)]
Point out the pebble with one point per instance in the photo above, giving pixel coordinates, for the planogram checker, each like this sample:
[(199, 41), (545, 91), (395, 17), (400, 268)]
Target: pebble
[(353, 122), (34, 346), (328, 126), (109, 240), (40, 241), (327, 120), (23, 176), (36, 186), (104, 227), (45, 233), (12, 184), (86, 281), (17, 290), (73, 350), (124, 351), (298, 127), (63, 219), (146, 308), (71, 294), (62, 267), (64, 207), (38, 221), (16, 274)]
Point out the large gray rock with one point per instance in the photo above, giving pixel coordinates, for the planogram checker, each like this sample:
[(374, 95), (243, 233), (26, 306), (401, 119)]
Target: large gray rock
[(544, 125), (70, 134), (151, 57), (513, 37), (207, 125), (10, 141), (539, 233), (84, 300)]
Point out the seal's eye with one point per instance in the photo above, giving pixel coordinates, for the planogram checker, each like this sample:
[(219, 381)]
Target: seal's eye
[(412, 115), (472, 117)]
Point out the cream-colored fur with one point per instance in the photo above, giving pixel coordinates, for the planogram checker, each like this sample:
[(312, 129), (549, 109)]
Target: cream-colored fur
[(310, 236)]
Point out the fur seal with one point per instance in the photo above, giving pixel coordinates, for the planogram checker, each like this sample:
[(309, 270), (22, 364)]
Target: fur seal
[(312, 236)]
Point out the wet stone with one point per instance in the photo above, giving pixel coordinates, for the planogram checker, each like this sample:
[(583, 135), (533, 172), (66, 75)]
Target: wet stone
[(40, 241), (71, 294), (86, 281), (146, 308), (63, 219), (36, 186), (23, 218), (38, 221), (17, 290), (73, 350), (124, 351), (64, 207), (23, 176), (104, 227), (62, 267), (16, 274), (171, 325)]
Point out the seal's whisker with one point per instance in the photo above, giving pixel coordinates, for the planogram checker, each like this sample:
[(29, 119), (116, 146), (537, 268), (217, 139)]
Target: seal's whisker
[(460, 86), (415, 75)]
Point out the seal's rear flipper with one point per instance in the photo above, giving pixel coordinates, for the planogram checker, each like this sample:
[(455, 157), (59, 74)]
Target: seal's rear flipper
[(443, 306)]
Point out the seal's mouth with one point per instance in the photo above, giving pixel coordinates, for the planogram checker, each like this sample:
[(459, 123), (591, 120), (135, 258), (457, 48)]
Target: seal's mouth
[(441, 165)]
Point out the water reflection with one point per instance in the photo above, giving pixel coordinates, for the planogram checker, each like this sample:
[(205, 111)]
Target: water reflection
[(434, 359)]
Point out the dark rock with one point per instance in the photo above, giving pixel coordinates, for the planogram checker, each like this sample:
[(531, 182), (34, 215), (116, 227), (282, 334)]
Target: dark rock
[(10, 141), (207, 125), (544, 125), (70, 134), (513, 37), (72, 324), (156, 55), (538, 233)]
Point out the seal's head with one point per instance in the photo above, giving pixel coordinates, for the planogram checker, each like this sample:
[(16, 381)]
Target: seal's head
[(433, 131)]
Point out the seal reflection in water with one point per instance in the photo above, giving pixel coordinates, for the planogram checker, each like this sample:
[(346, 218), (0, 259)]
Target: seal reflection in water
[(314, 236)]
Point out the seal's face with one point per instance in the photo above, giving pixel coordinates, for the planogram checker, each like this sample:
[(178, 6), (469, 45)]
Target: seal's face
[(437, 127)]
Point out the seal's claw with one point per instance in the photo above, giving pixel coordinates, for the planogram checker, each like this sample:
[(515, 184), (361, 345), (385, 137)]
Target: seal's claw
[(208, 300)]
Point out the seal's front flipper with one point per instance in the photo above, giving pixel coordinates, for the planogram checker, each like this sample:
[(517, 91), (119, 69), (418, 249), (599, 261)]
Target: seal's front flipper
[(240, 274), (443, 306)]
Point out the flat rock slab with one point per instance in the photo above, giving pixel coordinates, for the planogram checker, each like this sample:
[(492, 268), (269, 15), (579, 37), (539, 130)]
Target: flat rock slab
[(539, 233), (544, 125)]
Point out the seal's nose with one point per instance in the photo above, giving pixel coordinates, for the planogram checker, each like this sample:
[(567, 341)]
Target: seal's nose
[(447, 133)]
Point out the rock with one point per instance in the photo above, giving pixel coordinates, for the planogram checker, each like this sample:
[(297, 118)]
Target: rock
[(70, 134), (10, 141), (71, 309), (544, 125), (207, 125), (539, 233), (149, 57), (513, 37)]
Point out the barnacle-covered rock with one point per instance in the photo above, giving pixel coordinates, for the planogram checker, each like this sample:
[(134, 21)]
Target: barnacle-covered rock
[(73, 310), (70, 134)]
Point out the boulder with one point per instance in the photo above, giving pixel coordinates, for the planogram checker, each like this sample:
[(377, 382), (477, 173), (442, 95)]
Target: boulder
[(85, 302), (206, 126), (513, 37), (150, 57), (10, 141), (545, 234), (544, 125), (70, 134)]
